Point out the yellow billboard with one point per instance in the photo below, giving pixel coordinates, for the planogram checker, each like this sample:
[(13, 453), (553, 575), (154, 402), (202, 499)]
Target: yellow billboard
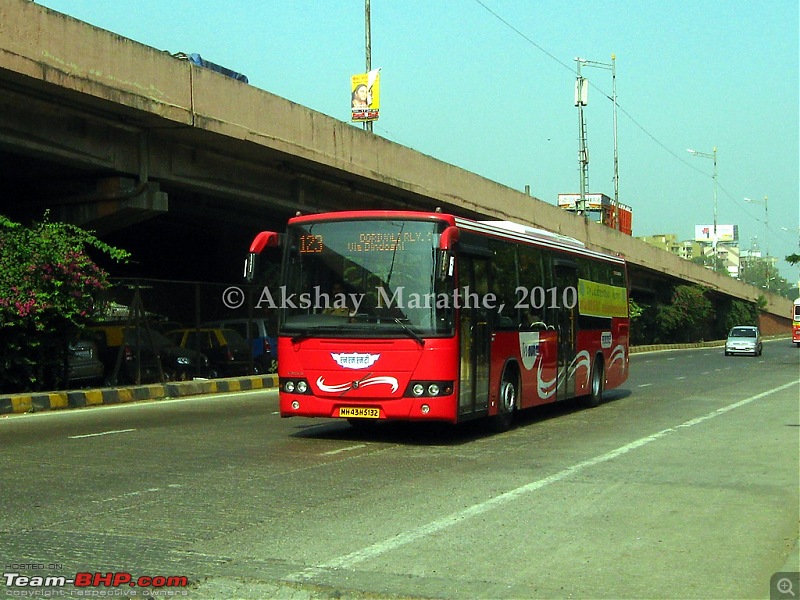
[(601, 300), (365, 96)]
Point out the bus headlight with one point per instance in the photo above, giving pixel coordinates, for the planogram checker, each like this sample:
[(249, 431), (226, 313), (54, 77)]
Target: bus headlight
[(295, 386), (429, 389)]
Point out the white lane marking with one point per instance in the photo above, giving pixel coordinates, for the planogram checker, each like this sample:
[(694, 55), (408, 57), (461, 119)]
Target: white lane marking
[(645, 385), (75, 437), (348, 449), (679, 378), (349, 560), (128, 495)]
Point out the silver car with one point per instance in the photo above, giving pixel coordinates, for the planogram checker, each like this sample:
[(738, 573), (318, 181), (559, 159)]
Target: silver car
[(743, 339)]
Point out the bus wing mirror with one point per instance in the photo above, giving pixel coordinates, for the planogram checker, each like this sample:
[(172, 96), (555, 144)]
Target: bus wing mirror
[(446, 264), (449, 238), (447, 243), (265, 239)]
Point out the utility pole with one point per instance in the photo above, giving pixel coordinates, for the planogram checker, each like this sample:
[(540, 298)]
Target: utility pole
[(368, 41), (581, 100), (616, 153), (714, 158), (584, 154)]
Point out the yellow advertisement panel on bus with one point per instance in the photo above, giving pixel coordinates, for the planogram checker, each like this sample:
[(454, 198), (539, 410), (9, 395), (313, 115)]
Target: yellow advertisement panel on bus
[(365, 96), (601, 300)]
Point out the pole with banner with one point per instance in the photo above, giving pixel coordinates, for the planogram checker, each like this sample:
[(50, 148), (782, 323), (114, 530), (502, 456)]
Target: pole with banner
[(365, 96)]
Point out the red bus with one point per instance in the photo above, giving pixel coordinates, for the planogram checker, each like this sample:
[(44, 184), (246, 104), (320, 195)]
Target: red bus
[(796, 322), (428, 316)]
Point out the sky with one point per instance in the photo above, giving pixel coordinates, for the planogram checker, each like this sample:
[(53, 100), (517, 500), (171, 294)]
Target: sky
[(488, 86)]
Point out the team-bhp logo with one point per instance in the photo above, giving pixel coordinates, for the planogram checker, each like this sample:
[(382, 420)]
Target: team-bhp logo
[(355, 360), (96, 580)]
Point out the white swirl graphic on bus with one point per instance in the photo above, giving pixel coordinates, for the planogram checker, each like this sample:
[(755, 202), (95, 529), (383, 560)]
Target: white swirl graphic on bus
[(617, 355), (545, 388), (340, 388)]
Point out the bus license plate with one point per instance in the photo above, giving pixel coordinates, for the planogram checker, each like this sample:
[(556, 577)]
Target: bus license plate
[(359, 412)]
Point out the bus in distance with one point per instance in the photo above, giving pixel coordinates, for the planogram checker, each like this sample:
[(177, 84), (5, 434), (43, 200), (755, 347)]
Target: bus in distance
[(796, 322), (403, 315)]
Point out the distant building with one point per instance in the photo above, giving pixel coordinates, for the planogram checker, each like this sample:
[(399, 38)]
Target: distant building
[(727, 249), (601, 209)]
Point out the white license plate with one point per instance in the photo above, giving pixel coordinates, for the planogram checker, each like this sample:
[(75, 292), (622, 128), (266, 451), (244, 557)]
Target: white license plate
[(359, 412)]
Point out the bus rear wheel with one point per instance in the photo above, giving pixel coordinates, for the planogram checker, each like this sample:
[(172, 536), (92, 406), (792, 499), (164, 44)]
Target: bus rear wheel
[(597, 384)]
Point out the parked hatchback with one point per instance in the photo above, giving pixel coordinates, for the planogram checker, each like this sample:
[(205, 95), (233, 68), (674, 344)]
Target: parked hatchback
[(744, 339), (264, 347), (139, 352), (228, 352), (83, 363)]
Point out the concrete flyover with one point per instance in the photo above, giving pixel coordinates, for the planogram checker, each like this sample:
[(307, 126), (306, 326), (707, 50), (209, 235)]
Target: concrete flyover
[(111, 134)]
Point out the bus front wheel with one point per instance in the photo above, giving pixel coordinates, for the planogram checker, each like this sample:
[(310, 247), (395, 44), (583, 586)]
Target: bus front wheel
[(506, 403)]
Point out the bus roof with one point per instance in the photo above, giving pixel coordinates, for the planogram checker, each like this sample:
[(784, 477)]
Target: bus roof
[(502, 229), (534, 231)]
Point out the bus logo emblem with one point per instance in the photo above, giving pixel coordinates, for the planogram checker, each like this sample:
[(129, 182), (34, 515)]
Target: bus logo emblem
[(355, 360)]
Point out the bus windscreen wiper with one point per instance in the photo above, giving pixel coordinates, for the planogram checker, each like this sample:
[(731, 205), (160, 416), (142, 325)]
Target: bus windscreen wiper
[(411, 333)]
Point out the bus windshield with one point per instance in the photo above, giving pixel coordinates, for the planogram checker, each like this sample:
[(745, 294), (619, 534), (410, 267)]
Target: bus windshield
[(365, 278)]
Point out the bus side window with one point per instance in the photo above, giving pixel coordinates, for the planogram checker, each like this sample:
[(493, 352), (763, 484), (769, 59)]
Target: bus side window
[(504, 285)]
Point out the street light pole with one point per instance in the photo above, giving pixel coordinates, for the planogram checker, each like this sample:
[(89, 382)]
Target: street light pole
[(714, 158), (766, 217), (766, 245)]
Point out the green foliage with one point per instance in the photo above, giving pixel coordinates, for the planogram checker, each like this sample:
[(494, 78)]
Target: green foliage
[(762, 274), (643, 324), (688, 316), (793, 259), (634, 310), (739, 313), (48, 283), (716, 264)]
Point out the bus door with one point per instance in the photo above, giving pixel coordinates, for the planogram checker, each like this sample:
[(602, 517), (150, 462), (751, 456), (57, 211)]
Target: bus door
[(565, 276), (475, 335)]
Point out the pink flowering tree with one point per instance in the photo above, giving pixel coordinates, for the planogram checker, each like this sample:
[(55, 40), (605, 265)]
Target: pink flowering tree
[(48, 286)]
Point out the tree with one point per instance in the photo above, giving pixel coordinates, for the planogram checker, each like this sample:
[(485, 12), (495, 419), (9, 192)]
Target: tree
[(763, 274), (48, 284), (739, 312), (688, 316), (713, 263)]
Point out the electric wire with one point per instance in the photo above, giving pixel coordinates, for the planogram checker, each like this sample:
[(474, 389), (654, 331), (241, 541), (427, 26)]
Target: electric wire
[(621, 109)]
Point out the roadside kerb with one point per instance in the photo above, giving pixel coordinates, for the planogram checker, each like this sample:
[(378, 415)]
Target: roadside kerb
[(710, 344), (35, 402)]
